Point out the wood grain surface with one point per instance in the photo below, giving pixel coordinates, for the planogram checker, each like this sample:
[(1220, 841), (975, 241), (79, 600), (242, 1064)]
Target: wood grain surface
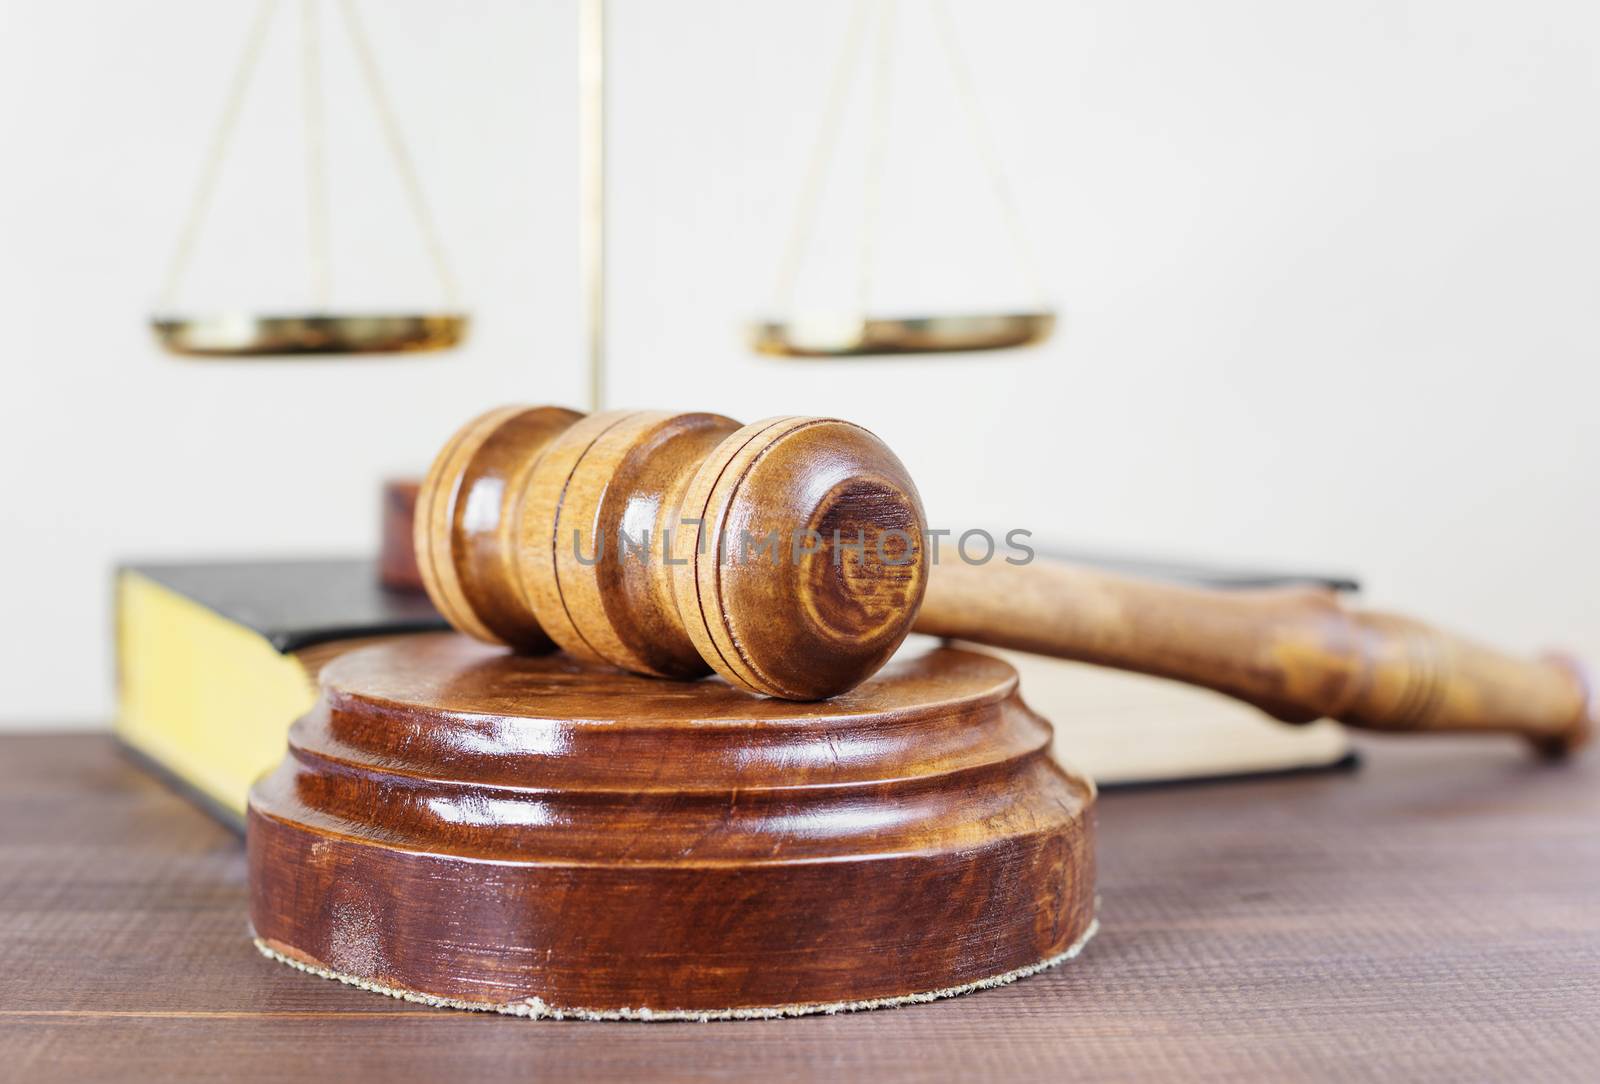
[(1431, 918)]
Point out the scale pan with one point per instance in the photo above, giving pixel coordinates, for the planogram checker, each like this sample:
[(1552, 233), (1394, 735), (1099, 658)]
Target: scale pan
[(238, 336), (861, 337)]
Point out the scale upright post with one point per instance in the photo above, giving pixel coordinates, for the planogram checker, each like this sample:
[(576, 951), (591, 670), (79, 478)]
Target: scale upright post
[(592, 159)]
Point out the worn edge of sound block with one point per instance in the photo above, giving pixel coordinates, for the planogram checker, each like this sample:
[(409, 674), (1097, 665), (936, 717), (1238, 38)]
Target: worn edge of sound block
[(534, 1008), (458, 826)]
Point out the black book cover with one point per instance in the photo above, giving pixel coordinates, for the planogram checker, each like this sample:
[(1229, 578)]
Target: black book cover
[(297, 603)]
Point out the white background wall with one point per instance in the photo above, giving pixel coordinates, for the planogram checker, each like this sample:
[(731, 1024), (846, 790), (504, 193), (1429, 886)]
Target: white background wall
[(1329, 271)]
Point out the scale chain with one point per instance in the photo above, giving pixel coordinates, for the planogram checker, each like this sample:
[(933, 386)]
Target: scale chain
[(217, 152), (316, 158), (315, 139), (397, 150), (827, 138)]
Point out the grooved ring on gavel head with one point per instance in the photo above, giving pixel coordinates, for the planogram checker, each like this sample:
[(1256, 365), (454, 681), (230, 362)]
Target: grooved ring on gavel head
[(789, 555)]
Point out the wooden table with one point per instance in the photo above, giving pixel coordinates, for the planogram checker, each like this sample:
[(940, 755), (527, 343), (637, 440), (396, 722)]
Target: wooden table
[(1434, 916)]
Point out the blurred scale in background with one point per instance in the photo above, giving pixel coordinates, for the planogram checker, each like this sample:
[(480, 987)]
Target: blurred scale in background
[(1305, 321)]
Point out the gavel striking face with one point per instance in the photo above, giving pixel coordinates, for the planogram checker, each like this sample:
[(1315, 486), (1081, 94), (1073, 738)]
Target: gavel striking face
[(787, 555), (790, 557)]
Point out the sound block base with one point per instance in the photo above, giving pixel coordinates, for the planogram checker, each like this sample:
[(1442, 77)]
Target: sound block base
[(535, 1008), (459, 826)]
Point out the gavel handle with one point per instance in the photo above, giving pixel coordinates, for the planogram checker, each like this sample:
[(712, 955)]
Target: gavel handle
[(1296, 653)]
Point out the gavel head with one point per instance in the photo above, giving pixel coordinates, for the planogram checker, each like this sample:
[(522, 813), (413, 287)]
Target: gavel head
[(789, 555)]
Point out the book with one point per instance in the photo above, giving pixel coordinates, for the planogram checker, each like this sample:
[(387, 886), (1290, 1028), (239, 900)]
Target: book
[(215, 661), (1123, 729)]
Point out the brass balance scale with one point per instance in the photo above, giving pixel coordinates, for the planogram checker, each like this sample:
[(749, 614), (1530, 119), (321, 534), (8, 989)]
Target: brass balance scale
[(864, 332), (325, 331), (322, 330)]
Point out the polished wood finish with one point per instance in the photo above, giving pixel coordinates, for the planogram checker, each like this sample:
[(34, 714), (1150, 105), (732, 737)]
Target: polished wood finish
[(800, 626), (397, 552), (512, 513), (1430, 918), (467, 517), (613, 473), (1298, 653), (458, 821), (522, 522)]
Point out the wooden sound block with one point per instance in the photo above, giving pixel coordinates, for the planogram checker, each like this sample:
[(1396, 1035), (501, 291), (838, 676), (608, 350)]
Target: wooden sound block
[(541, 836)]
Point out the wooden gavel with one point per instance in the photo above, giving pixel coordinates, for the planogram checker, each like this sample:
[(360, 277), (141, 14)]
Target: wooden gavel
[(792, 557)]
